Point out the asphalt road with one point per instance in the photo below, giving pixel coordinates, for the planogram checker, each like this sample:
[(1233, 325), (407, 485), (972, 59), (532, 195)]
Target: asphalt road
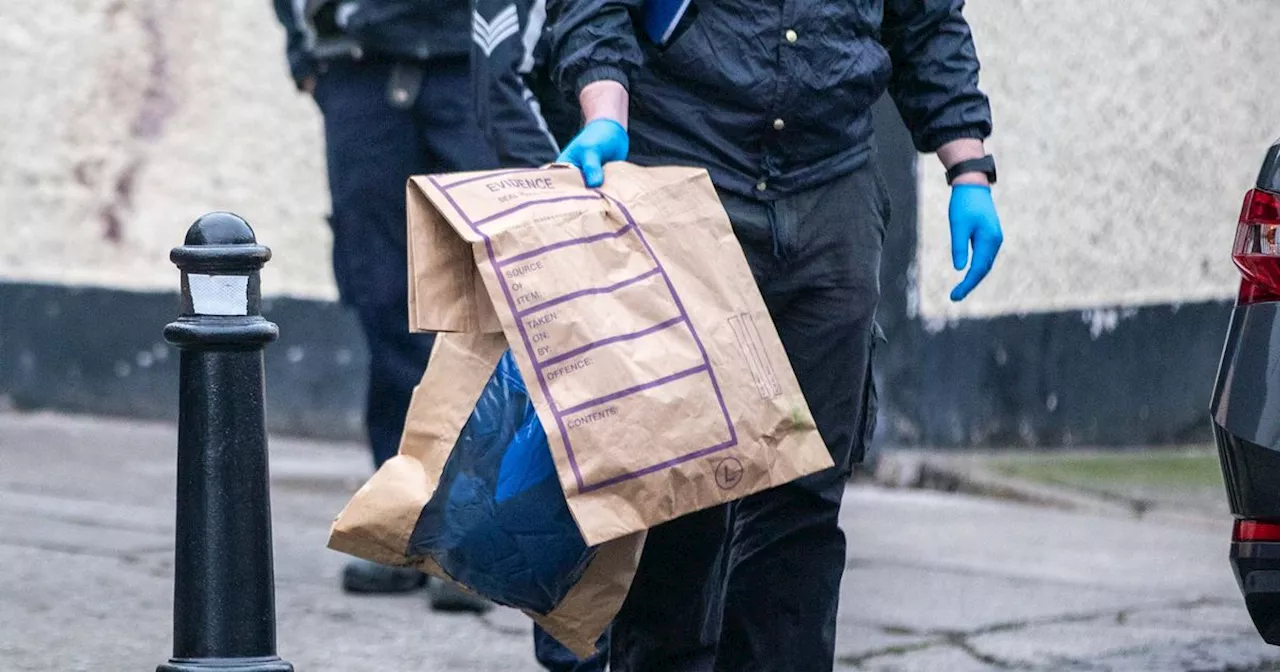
[(934, 581)]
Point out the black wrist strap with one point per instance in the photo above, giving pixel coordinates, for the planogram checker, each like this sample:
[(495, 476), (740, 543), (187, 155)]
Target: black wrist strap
[(986, 165)]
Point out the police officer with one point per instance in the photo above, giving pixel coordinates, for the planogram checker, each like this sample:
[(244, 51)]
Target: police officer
[(392, 81), (398, 97), (774, 98)]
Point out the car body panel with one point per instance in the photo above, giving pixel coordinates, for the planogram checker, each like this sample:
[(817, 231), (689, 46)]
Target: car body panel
[(1246, 411), (1246, 426)]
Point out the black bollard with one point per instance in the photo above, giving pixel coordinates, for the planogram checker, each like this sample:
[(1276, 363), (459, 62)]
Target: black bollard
[(224, 584)]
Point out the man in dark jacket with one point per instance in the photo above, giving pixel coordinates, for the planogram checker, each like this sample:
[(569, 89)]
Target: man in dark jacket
[(774, 99), (392, 80)]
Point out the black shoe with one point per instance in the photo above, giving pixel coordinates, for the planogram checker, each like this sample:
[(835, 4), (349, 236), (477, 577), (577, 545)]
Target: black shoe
[(362, 576), (448, 597)]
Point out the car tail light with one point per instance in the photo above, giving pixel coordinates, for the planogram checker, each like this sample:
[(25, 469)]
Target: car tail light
[(1257, 248), (1255, 530)]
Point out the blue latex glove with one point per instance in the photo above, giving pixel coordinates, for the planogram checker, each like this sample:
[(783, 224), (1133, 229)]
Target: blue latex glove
[(598, 143), (973, 222)]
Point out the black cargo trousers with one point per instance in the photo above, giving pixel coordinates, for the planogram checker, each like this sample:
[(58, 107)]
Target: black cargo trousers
[(754, 585)]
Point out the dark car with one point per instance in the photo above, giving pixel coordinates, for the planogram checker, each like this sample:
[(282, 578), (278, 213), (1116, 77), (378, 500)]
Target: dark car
[(1246, 403)]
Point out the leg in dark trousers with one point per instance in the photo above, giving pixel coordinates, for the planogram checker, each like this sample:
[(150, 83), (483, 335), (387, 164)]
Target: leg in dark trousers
[(787, 552), (816, 258), (372, 147), (397, 360), (554, 657), (670, 621)]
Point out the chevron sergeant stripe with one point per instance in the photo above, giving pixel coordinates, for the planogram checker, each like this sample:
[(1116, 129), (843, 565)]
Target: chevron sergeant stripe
[(488, 35)]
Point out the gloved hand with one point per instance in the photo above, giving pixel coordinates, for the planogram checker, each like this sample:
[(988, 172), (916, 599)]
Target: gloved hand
[(598, 143), (973, 221)]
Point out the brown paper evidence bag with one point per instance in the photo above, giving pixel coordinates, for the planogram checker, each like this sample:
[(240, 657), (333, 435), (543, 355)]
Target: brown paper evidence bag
[(646, 347)]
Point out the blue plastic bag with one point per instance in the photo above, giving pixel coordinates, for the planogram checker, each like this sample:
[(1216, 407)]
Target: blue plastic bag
[(498, 522)]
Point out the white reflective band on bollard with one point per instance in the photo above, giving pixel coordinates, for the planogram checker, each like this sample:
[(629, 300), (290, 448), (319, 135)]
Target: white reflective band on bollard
[(219, 294)]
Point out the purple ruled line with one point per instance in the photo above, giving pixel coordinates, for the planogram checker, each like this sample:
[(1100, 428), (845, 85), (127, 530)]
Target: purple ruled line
[(527, 204), (633, 390), (584, 240), (608, 341), (542, 382), (658, 467), (587, 292), (715, 384), (524, 336)]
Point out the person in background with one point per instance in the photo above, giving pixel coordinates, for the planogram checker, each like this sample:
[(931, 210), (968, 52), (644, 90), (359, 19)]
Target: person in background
[(392, 81), (526, 121), (774, 99)]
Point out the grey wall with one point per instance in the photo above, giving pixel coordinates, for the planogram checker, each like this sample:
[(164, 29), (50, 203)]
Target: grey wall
[(124, 120)]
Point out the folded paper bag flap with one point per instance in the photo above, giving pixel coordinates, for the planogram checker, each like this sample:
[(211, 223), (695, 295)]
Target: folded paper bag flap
[(453, 219), (445, 290), (446, 293)]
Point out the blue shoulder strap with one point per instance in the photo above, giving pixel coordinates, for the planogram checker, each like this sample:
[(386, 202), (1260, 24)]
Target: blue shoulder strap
[(660, 18)]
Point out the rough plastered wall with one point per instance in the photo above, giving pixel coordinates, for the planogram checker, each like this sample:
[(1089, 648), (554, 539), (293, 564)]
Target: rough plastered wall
[(124, 120), (1127, 134)]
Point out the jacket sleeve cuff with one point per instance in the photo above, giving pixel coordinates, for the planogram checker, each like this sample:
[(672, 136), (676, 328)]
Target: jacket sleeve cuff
[(934, 141), (601, 73)]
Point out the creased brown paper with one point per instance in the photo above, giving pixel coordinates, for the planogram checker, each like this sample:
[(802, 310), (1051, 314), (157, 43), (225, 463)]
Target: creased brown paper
[(378, 521), (633, 316)]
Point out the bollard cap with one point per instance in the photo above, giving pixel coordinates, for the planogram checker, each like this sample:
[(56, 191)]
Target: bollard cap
[(220, 242), (220, 228)]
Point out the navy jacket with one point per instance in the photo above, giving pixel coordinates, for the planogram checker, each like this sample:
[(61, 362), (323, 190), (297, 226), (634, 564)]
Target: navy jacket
[(518, 108), (406, 29), (774, 96)]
